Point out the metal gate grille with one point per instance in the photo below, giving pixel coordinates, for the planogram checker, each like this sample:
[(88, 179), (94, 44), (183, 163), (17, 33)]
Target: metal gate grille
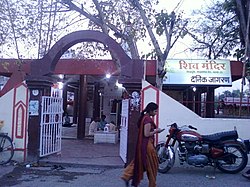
[(124, 130), (51, 125)]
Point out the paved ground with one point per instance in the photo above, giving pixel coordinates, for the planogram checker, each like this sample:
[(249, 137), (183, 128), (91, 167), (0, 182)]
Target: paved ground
[(85, 152), (82, 163), (6, 169), (67, 176)]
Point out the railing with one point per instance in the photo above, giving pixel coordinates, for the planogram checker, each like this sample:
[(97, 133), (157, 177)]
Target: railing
[(228, 109), (233, 109)]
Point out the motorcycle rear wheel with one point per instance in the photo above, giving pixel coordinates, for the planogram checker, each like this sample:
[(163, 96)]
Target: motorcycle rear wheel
[(166, 157), (234, 162)]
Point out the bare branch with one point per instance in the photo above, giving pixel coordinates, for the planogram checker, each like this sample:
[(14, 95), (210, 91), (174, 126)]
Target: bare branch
[(97, 21)]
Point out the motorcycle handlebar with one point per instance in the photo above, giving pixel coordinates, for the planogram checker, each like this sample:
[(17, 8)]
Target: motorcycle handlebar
[(191, 127)]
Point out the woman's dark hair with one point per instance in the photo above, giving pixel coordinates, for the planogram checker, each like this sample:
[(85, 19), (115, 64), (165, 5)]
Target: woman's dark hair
[(150, 107)]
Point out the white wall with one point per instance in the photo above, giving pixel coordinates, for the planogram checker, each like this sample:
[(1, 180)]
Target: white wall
[(6, 111), (171, 111), (14, 113)]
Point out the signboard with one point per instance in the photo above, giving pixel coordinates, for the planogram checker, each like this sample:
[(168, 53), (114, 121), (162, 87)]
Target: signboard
[(198, 72), (33, 108)]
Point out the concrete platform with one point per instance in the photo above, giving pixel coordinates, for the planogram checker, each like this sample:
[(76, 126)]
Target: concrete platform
[(85, 152)]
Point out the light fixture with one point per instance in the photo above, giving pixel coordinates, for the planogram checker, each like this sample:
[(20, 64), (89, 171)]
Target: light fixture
[(61, 76), (60, 85), (194, 89), (108, 75)]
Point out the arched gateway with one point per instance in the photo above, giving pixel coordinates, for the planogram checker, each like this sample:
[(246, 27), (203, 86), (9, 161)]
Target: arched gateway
[(47, 64), (39, 80)]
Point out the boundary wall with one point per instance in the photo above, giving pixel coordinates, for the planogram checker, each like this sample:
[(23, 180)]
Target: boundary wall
[(171, 111)]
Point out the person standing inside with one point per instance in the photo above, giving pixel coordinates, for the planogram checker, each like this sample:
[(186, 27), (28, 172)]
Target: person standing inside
[(103, 122), (145, 155)]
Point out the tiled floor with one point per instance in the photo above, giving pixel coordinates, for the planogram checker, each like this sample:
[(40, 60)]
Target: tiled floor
[(84, 151)]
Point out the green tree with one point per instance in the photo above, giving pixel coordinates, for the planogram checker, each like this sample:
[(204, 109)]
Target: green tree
[(14, 28), (247, 93), (227, 93), (215, 31), (51, 21), (110, 16), (37, 24), (29, 28), (169, 25), (115, 18), (236, 93), (242, 10)]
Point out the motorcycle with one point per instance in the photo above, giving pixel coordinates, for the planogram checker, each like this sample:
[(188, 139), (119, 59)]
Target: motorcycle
[(223, 150)]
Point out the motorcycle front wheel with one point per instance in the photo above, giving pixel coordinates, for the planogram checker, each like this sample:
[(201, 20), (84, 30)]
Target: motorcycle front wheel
[(166, 157), (234, 160)]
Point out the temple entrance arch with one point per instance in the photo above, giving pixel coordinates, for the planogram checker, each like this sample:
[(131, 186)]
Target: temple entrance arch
[(40, 77), (47, 64)]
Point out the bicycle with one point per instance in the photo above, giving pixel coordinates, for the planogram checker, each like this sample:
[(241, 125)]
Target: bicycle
[(6, 148)]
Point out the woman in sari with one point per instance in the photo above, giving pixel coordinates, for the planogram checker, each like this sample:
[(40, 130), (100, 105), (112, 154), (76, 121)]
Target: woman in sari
[(145, 155)]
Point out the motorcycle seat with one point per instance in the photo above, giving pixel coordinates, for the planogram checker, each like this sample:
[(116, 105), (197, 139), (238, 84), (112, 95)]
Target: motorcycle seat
[(221, 136)]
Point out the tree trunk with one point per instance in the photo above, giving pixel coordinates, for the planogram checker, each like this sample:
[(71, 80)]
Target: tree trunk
[(160, 63)]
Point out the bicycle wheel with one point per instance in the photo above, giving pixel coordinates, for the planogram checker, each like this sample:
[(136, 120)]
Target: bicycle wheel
[(6, 149)]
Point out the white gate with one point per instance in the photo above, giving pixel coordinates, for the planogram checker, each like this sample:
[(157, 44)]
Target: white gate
[(51, 125), (124, 130)]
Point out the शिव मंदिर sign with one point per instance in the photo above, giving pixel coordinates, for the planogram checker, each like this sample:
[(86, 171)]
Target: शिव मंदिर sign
[(198, 72)]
